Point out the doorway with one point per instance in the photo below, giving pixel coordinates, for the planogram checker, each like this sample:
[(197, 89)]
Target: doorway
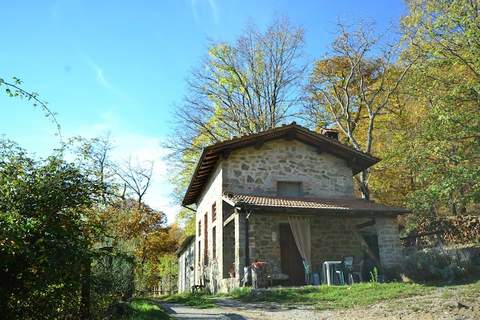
[(291, 260)]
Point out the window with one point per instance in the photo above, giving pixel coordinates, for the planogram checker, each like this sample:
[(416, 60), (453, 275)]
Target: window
[(289, 189), (199, 228), (214, 242), (214, 211), (205, 239)]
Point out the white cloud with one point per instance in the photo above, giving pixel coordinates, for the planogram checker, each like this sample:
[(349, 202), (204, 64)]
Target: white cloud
[(214, 9), (99, 74), (101, 78), (212, 6), (141, 149)]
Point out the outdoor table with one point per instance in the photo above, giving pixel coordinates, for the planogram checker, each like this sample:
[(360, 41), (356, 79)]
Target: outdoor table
[(328, 270)]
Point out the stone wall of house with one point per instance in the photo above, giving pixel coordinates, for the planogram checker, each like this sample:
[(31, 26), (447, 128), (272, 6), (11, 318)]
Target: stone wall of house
[(389, 245), (254, 170), (332, 239), (212, 193)]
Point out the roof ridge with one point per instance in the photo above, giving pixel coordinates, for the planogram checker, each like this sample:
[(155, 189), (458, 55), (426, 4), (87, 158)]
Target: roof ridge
[(293, 124)]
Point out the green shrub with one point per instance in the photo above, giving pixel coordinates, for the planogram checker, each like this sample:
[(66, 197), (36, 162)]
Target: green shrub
[(436, 264), (44, 236), (112, 281)]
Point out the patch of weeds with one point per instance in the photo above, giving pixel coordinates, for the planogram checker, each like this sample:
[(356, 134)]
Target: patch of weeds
[(143, 309), (447, 294), (240, 293), (333, 297)]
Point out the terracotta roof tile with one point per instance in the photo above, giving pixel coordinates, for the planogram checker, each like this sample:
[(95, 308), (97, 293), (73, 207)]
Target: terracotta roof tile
[(341, 205)]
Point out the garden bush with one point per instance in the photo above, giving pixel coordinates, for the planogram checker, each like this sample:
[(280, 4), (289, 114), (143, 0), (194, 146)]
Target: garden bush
[(437, 264), (112, 281)]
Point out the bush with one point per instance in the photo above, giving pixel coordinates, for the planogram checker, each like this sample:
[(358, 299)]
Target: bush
[(437, 264), (44, 238), (112, 281)]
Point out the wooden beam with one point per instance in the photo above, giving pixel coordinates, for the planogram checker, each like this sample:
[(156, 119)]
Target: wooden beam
[(203, 171), (229, 219), (225, 153), (352, 162), (290, 135), (368, 223), (209, 161), (259, 143), (363, 243)]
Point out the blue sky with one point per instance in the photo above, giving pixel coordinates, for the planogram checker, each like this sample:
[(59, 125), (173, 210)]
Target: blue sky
[(120, 66)]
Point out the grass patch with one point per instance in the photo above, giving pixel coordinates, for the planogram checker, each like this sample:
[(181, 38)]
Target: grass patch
[(333, 297), (196, 300), (145, 309)]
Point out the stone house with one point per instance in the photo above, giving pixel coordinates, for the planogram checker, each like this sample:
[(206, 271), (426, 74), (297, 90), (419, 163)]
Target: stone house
[(284, 196)]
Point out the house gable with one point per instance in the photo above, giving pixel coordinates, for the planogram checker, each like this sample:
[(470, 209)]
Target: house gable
[(262, 170), (356, 160)]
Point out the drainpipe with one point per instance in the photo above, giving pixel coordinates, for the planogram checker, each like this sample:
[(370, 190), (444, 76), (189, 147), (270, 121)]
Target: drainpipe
[(247, 242), (189, 208)]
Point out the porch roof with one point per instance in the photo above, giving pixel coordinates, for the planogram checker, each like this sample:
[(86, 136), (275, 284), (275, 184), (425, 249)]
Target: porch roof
[(184, 245), (348, 205)]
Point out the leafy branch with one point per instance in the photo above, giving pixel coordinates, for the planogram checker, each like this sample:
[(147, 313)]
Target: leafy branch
[(14, 89)]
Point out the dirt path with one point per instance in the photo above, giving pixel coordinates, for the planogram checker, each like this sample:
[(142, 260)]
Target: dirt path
[(441, 304), (178, 311), (247, 311)]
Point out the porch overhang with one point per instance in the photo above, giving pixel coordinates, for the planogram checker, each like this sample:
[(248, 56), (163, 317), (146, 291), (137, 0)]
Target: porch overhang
[(350, 207)]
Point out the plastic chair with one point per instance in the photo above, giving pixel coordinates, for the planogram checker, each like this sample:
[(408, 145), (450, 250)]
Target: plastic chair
[(308, 272), (350, 269)]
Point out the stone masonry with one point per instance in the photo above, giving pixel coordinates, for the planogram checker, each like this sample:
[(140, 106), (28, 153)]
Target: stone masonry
[(331, 239), (257, 170), (389, 242)]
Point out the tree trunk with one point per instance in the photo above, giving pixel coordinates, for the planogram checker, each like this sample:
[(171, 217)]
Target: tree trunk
[(85, 277), (363, 182)]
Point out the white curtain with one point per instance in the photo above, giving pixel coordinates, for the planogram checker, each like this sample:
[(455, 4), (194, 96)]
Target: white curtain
[(301, 233)]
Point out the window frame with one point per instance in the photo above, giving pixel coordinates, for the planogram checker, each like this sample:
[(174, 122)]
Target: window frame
[(284, 182), (214, 242), (205, 239), (214, 211)]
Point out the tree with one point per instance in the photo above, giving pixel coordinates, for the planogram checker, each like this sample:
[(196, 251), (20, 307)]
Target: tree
[(353, 87), (245, 87), (136, 178), (43, 227), (186, 219), (241, 88), (446, 83), (94, 157)]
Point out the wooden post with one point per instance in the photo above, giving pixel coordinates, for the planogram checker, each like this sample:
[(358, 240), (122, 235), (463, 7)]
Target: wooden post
[(358, 236)]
